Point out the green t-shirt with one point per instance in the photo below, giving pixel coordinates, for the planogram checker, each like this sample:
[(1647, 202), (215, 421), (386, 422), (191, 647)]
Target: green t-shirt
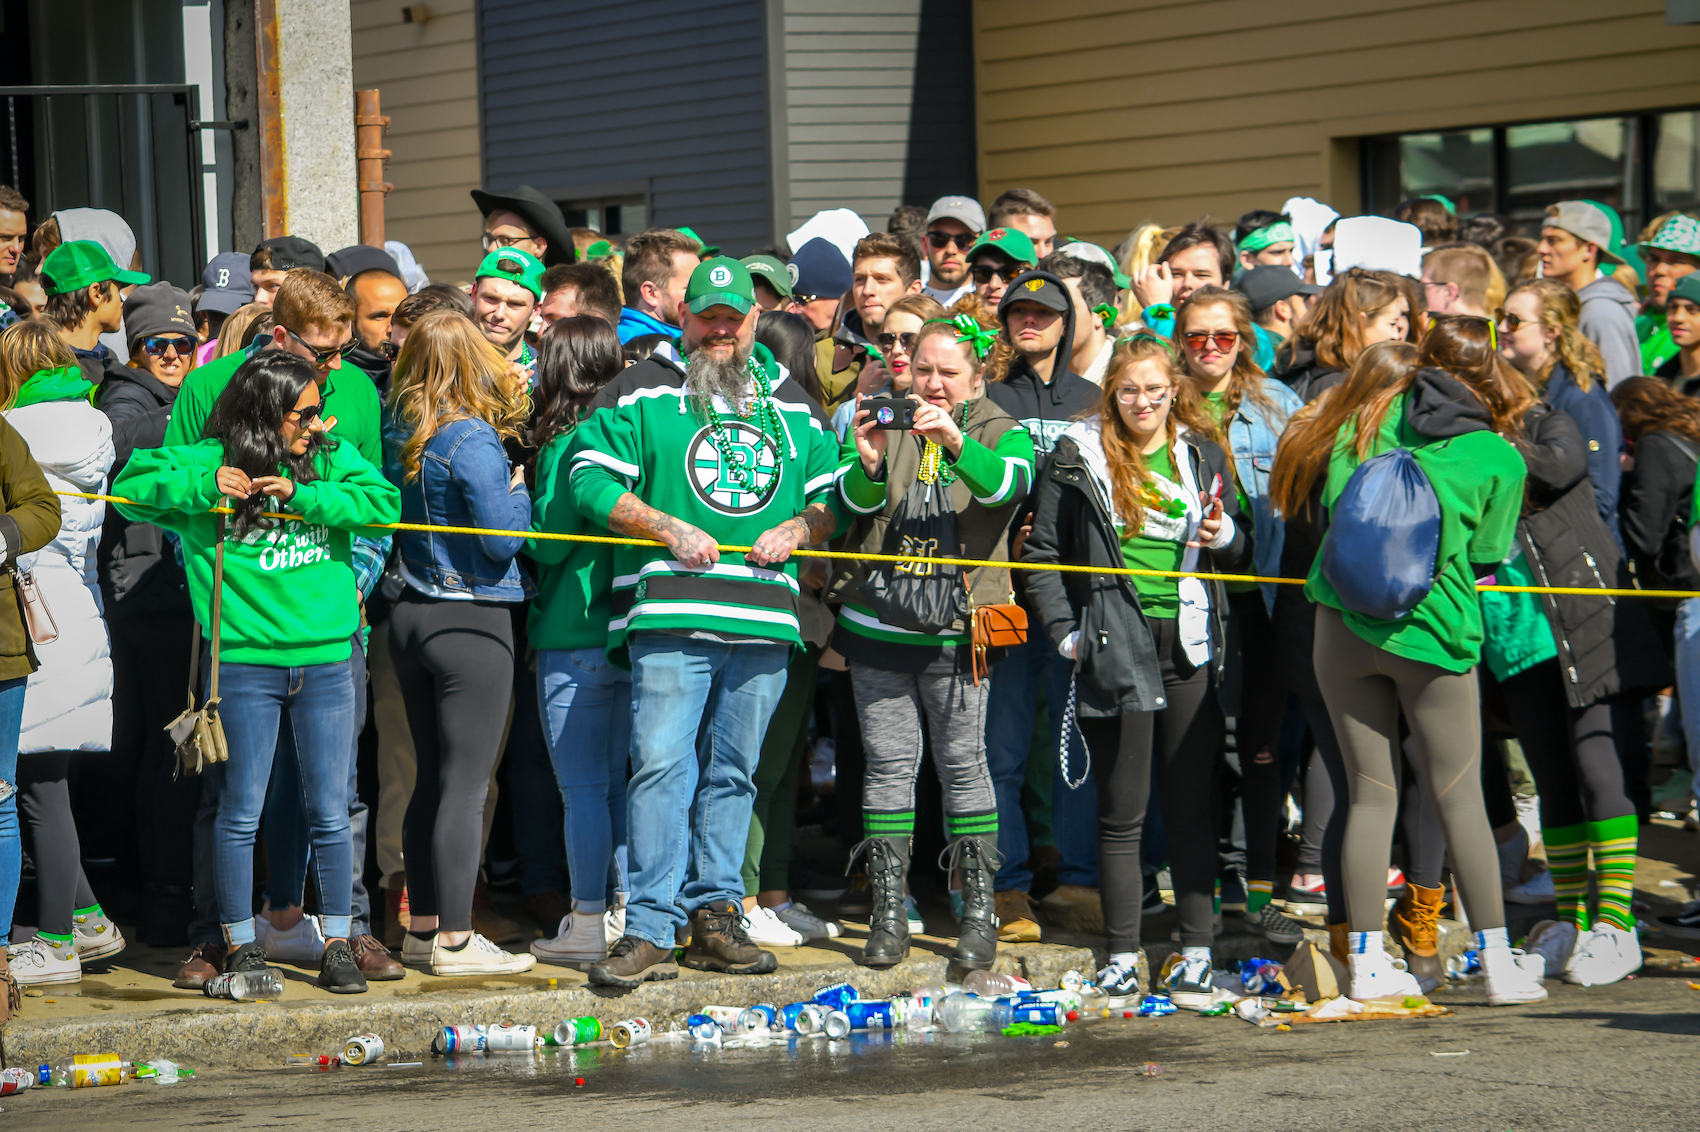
[(289, 591), (1657, 346), (1478, 480), (575, 580), (348, 393), (1158, 597)]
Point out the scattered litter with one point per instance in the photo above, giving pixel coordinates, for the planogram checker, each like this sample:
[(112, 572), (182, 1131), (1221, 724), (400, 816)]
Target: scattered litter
[(317, 1061), (362, 1049), (1156, 1006), (1693, 985), (85, 1071), (1030, 1030), (1059, 1045), (15, 1080), (1151, 1069), (578, 1082), (406, 1064), (1448, 1053), (632, 1032)]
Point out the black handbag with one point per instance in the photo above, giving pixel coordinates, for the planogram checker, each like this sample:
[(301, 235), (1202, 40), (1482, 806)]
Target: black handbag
[(922, 596)]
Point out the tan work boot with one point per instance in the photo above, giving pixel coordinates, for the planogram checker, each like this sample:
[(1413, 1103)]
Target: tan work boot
[(1339, 945), (1415, 919), (1015, 917)]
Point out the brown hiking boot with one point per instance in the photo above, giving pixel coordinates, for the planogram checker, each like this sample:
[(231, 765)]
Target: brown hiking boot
[(1015, 917), (374, 959), (1415, 919), (11, 995), (1339, 943), (632, 962), (720, 943), (203, 963)]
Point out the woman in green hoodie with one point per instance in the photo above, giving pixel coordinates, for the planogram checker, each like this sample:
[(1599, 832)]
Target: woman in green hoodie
[(289, 610)]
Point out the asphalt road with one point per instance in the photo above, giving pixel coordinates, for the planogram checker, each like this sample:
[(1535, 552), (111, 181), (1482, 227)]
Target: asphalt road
[(1620, 1058)]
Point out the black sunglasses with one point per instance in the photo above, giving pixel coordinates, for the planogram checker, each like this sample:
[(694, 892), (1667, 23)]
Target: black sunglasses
[(890, 342), (310, 414), (323, 357), (389, 350), (963, 240), (157, 345), (985, 272)]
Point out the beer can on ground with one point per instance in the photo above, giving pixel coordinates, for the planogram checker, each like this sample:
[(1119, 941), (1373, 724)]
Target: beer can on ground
[(811, 1019), (726, 1016), (362, 1049), (837, 1024), (703, 1028), (870, 1015), (1038, 1013), (509, 1038), (631, 1032), (761, 1016), (837, 996), (575, 1032), (458, 1039)]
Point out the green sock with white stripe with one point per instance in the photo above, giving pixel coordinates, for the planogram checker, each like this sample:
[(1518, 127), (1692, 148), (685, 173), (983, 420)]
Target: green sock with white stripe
[(1567, 860), (1613, 842), (973, 825), (1257, 894), (888, 823)]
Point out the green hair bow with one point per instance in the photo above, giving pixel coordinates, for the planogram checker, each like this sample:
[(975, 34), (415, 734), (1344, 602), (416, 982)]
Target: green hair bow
[(1109, 315), (599, 249), (969, 330)]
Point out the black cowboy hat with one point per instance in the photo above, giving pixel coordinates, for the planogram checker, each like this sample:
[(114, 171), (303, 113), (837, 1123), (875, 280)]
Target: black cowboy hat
[(541, 214)]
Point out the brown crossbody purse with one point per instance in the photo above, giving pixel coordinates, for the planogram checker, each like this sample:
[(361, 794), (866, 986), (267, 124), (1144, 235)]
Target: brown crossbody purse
[(198, 732)]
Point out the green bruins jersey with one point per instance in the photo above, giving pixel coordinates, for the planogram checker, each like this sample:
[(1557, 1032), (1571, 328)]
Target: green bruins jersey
[(644, 433)]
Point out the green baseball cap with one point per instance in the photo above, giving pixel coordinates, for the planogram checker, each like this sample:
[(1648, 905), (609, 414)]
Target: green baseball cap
[(704, 248), (776, 274), (516, 266), (1010, 242), (81, 263), (721, 281), (1688, 287)]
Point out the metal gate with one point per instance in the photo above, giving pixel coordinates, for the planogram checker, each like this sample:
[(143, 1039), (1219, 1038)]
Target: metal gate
[(132, 149)]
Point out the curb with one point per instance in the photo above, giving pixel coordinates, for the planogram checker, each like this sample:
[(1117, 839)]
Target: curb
[(226, 1035)]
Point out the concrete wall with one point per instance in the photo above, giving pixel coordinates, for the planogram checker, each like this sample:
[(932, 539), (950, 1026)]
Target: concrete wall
[(427, 75), (1128, 111)]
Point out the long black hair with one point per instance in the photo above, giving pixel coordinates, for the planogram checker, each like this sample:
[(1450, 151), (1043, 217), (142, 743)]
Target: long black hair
[(248, 420), (576, 357), (791, 339)]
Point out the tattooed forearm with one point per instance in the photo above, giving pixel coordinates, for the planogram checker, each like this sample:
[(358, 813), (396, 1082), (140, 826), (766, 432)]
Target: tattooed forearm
[(817, 523), (632, 516)]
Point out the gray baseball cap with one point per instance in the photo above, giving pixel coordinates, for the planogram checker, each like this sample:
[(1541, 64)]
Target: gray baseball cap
[(965, 209), (1586, 222)]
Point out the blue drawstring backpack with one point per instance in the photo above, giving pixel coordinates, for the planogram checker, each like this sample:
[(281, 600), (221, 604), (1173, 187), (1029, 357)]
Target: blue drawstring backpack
[(1384, 537)]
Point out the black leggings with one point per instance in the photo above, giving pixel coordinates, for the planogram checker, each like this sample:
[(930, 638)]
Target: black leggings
[(1184, 741), (1263, 705), (1572, 753), (455, 663), (50, 836)]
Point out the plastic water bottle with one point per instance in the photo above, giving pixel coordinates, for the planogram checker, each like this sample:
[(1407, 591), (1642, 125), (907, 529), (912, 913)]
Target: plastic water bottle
[(962, 1011), (988, 984), (86, 1071), (245, 986)]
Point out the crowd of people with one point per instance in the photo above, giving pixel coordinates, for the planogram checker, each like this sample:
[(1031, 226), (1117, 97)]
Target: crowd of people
[(828, 484)]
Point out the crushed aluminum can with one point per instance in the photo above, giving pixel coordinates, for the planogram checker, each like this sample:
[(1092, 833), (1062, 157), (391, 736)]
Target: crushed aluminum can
[(362, 1049), (1261, 976), (632, 1032), (835, 997), (1155, 1006)]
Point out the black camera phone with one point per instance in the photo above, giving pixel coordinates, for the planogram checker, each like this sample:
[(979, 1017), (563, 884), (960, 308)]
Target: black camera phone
[(891, 412)]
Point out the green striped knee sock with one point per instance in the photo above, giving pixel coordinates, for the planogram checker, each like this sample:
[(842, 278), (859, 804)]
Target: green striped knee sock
[(1257, 894), (1613, 842), (973, 825), (1567, 858), (888, 823)]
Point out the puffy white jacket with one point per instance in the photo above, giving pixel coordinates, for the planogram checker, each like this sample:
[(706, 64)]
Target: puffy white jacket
[(68, 703)]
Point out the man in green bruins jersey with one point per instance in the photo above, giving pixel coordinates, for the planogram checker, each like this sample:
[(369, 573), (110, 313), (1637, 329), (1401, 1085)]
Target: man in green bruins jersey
[(708, 442)]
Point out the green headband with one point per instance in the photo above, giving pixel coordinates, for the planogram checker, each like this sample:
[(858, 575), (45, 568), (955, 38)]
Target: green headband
[(598, 250), (1446, 204), (969, 330), (1109, 315), (1148, 336), (1280, 232)]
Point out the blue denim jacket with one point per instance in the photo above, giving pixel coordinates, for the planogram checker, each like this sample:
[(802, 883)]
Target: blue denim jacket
[(463, 482), (1253, 439)]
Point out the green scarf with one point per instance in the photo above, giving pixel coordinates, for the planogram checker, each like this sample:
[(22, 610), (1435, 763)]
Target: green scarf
[(66, 383)]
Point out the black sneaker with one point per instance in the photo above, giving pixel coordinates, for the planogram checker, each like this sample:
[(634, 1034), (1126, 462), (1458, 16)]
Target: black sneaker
[(1683, 924), (338, 972), (1122, 984), (248, 957)]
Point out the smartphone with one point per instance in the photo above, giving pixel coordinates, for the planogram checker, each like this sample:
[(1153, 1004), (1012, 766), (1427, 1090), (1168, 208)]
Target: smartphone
[(1215, 489), (891, 412)]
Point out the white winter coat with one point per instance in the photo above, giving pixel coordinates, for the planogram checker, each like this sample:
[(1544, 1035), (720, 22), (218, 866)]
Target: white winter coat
[(68, 702)]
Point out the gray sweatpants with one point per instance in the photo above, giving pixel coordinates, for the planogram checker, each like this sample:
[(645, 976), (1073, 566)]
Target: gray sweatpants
[(1366, 688), (891, 706)]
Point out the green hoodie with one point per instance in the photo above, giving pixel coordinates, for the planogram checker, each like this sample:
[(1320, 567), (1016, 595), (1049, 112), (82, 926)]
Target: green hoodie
[(348, 393), (1478, 479), (289, 593), (66, 383), (575, 580)]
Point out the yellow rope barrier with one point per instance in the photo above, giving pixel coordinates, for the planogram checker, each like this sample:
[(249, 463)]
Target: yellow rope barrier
[(971, 563)]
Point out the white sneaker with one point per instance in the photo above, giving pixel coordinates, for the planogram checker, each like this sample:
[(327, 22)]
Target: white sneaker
[(1537, 889), (478, 957), (614, 920), (768, 930), (1605, 955), (304, 944), (96, 937), (416, 952), (41, 962), (1379, 975), (581, 938), (1512, 976), (1554, 941)]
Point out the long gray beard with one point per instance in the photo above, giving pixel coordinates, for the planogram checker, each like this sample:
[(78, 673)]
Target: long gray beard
[(709, 378)]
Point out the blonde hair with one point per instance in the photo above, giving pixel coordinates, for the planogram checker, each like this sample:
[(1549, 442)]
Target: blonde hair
[(1561, 310), (448, 371), (27, 348), (1140, 250), (1479, 280), (1128, 470), (235, 325)]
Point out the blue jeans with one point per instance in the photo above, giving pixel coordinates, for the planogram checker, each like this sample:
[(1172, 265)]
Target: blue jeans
[(1688, 680), (699, 712), (11, 846), (1010, 712), (586, 707), (288, 840), (319, 703)]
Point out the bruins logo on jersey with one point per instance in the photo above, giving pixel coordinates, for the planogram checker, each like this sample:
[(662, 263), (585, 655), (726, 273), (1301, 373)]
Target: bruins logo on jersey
[(724, 479)]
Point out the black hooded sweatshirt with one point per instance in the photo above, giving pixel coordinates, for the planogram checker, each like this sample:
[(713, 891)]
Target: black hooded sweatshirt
[(138, 570)]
